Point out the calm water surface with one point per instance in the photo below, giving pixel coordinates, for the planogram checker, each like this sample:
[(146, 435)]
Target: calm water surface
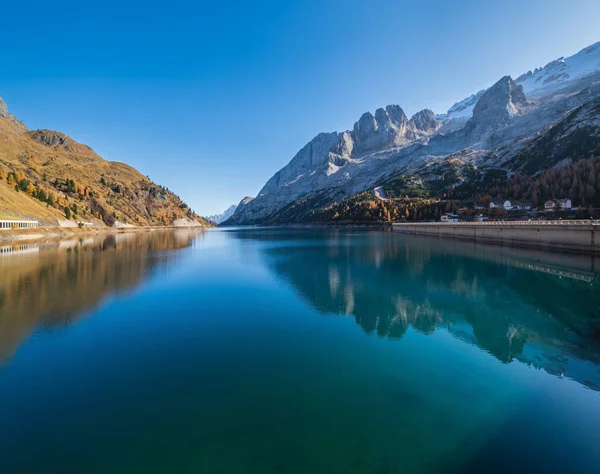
[(279, 351)]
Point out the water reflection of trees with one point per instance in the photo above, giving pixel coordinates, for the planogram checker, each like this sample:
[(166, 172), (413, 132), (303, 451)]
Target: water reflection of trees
[(61, 281), (488, 296)]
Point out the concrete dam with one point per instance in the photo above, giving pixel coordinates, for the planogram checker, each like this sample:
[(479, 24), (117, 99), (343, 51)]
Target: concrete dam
[(572, 236)]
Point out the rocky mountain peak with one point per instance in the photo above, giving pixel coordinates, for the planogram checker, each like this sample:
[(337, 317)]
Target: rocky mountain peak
[(385, 143), (240, 209), (218, 218), (4, 113), (387, 128), (425, 121), (498, 104), (51, 138), (396, 113), (346, 145), (591, 48), (381, 116), (366, 124), (3, 109)]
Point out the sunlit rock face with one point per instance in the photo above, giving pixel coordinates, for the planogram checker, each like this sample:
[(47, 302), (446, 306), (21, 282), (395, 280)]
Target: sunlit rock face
[(498, 105), (494, 124)]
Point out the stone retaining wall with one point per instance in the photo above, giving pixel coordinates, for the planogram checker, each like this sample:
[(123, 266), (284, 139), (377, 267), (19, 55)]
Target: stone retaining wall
[(579, 237)]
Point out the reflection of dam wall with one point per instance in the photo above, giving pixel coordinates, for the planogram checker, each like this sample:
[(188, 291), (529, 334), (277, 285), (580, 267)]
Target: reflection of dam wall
[(564, 236), (577, 266)]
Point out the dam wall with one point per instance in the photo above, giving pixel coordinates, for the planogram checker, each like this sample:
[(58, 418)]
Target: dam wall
[(573, 236)]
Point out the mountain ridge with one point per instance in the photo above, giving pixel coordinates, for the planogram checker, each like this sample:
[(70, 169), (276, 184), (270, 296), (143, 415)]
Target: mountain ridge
[(47, 176), (223, 216), (502, 119)]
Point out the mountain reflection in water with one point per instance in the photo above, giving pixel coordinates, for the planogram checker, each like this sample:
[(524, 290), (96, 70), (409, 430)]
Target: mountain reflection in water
[(540, 308), (49, 285)]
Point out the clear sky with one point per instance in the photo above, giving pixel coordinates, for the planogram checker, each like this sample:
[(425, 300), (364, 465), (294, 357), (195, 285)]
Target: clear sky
[(211, 98)]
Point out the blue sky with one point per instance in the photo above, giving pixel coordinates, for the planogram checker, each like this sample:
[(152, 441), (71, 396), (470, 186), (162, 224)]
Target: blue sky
[(212, 98)]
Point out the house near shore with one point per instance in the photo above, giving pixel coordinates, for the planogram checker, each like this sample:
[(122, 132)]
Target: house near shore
[(562, 203), (449, 218), (522, 205), (501, 205)]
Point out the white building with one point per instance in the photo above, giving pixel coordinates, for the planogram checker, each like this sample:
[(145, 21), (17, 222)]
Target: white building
[(449, 218), (522, 205), (501, 204), (562, 203)]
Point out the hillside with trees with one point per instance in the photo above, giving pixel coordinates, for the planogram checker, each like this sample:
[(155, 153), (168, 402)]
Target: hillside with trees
[(48, 176), (413, 199)]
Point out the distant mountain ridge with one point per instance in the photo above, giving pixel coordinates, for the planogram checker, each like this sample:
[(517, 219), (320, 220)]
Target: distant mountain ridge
[(487, 130), (218, 218)]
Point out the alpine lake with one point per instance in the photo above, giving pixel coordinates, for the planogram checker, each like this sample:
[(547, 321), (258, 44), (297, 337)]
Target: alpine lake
[(273, 350)]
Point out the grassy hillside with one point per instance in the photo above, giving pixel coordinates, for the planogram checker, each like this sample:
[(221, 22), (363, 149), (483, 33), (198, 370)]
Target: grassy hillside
[(46, 175)]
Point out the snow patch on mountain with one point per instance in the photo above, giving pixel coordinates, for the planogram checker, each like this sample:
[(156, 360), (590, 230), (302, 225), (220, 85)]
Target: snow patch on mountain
[(557, 72), (465, 107), (541, 81)]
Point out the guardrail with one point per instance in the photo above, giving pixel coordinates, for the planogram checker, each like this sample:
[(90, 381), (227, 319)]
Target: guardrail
[(17, 224), (595, 222)]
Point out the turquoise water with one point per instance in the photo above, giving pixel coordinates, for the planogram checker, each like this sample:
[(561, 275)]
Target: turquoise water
[(297, 351)]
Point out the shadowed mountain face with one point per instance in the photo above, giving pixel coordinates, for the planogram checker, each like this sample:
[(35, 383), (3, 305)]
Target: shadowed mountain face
[(56, 284), (512, 304)]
